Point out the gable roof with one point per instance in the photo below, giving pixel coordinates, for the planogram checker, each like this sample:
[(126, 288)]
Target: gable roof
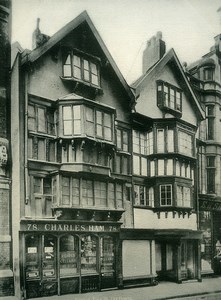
[(171, 56), (59, 35)]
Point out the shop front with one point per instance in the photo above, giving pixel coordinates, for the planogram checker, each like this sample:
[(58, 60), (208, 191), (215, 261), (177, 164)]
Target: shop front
[(63, 258)]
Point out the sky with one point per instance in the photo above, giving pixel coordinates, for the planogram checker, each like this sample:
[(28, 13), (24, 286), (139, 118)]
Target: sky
[(188, 26)]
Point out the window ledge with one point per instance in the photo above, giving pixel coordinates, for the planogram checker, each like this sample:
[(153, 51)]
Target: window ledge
[(42, 134), (144, 207), (176, 113), (79, 81)]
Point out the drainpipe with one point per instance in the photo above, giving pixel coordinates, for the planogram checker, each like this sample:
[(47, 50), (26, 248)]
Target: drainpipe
[(26, 139)]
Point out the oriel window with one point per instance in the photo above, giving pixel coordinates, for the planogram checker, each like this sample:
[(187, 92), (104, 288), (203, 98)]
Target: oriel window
[(81, 68)]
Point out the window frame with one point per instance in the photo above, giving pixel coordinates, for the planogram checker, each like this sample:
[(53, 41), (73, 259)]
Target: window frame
[(211, 174), (165, 98), (171, 193), (210, 122), (86, 65)]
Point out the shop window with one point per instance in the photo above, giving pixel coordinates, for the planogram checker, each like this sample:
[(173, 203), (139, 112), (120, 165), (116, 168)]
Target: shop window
[(32, 257), (185, 143), (41, 119), (183, 196), (122, 140), (49, 257), (169, 97), (143, 196), (210, 172), (107, 253), (42, 197), (210, 119), (166, 195), (88, 254), (81, 69), (68, 256)]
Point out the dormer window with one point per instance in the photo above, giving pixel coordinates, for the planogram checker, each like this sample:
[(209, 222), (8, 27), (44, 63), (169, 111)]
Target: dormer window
[(81, 69), (169, 97)]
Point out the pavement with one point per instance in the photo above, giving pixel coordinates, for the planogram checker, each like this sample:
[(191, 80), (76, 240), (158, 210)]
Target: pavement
[(209, 288)]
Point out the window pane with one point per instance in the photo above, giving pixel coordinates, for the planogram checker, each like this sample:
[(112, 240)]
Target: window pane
[(41, 120), (136, 164), (172, 98), (51, 151), (31, 118), (47, 188), (119, 139), (87, 193), (111, 195), (67, 113), (90, 121), (136, 195), (75, 191), (152, 168), (125, 141), (67, 70), (94, 79), (67, 127), (47, 208), (169, 167), (100, 193), (160, 167), (77, 61), (136, 143), (160, 140), (37, 185), (143, 166), (65, 190), (88, 254), (170, 141), (41, 149), (119, 195)]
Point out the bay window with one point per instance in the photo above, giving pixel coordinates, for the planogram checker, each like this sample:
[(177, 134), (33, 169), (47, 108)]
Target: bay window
[(139, 153), (81, 68), (82, 119), (91, 193)]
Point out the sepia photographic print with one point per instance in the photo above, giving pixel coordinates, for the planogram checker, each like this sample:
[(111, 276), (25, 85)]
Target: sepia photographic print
[(110, 149)]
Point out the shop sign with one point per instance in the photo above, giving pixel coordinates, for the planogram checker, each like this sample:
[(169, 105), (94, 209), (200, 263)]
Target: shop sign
[(63, 227)]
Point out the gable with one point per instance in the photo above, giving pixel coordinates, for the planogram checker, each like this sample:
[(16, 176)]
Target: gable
[(174, 82), (55, 40)]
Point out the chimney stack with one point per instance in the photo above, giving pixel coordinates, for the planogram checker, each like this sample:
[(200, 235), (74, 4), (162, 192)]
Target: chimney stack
[(38, 38), (154, 51)]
